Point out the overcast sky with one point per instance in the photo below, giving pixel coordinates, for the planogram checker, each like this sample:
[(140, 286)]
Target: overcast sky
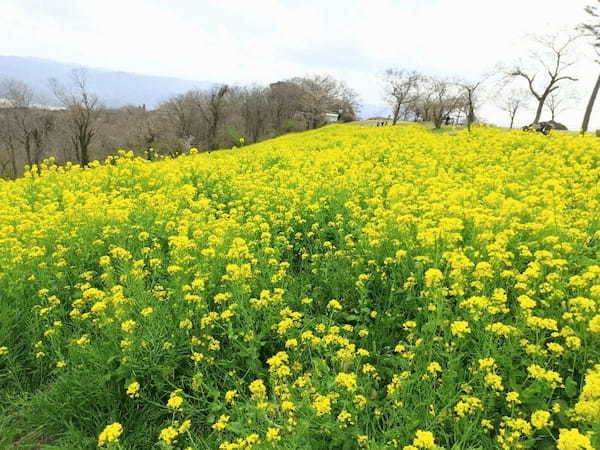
[(237, 41)]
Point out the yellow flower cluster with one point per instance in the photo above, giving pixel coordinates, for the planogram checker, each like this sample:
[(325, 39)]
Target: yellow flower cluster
[(588, 406), (346, 287), (133, 390), (110, 434)]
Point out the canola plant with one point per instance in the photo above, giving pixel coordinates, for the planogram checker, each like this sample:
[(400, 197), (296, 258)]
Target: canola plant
[(341, 288)]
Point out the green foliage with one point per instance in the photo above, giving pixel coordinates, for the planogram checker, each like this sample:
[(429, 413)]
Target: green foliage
[(341, 288)]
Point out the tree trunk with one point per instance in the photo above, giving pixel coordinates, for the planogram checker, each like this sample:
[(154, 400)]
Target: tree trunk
[(470, 116), (426, 115), (396, 113), (28, 150), (590, 106), (512, 121), (13, 161), (85, 159), (83, 148), (540, 107)]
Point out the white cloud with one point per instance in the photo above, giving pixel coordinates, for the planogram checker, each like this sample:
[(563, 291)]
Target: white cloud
[(266, 40)]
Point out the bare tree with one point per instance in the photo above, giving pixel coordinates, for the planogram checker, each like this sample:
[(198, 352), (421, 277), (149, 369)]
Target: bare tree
[(134, 128), (213, 113), (16, 93), (472, 98), (592, 30), (548, 66), (146, 130), (319, 95), (18, 97), (254, 109), (285, 102), (446, 99), (83, 113), (25, 127), (8, 145), (198, 117), (420, 105), (308, 99), (400, 89), (182, 112), (346, 103), (4, 165), (512, 102), (206, 119), (560, 100)]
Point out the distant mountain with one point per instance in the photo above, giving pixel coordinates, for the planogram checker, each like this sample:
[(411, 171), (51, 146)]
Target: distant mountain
[(115, 89)]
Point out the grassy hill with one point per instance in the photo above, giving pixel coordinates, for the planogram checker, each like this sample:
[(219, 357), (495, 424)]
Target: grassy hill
[(340, 288)]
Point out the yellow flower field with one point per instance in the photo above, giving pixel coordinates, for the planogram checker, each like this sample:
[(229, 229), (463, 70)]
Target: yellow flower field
[(342, 288)]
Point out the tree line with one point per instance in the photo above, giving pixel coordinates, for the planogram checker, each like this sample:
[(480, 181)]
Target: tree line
[(414, 96), (540, 83), (530, 84), (82, 129)]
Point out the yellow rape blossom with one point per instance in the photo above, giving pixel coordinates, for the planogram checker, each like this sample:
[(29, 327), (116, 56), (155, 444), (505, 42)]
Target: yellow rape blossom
[(572, 439), (133, 389), (110, 434)]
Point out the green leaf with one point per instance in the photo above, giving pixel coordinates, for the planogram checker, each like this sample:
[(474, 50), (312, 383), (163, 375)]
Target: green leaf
[(571, 387), (236, 428)]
